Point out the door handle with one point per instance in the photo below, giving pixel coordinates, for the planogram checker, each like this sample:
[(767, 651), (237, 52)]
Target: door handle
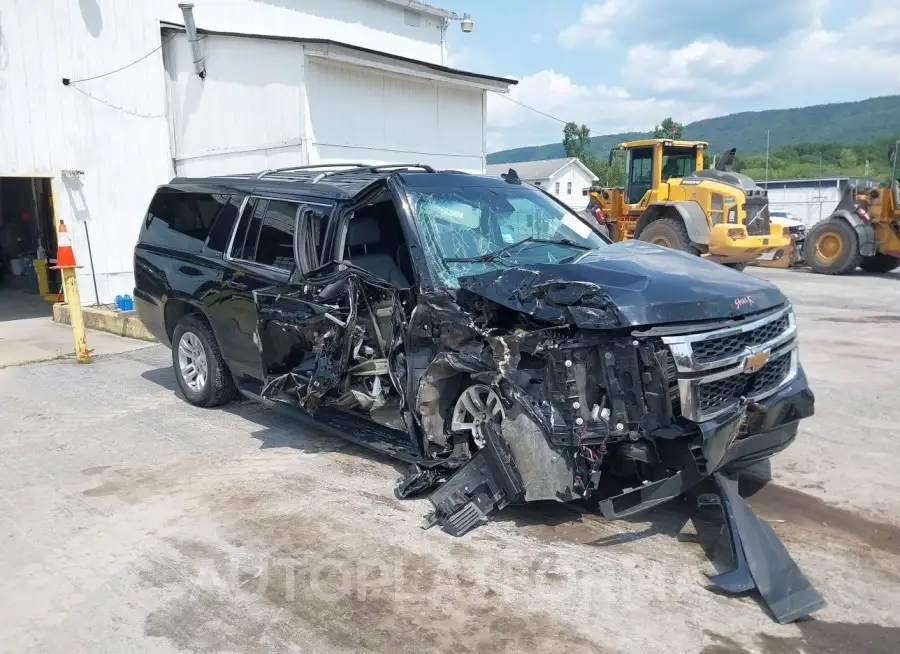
[(238, 286)]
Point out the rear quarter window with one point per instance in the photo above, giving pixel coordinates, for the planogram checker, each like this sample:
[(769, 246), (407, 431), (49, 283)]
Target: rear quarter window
[(182, 220)]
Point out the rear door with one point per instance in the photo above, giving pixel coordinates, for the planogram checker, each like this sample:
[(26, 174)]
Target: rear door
[(260, 255)]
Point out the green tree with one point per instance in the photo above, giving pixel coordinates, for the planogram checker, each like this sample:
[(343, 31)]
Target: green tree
[(668, 129), (611, 174), (577, 142)]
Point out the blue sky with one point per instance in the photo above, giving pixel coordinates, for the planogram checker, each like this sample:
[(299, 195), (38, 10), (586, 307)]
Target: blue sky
[(619, 65)]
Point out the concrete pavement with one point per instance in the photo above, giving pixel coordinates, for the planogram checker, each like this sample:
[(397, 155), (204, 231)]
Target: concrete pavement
[(28, 334), (131, 521)]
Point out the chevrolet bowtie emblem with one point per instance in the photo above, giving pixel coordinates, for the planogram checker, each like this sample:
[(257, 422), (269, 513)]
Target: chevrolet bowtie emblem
[(756, 361)]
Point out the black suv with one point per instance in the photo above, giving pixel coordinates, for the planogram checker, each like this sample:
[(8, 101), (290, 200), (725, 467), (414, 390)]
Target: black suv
[(473, 326)]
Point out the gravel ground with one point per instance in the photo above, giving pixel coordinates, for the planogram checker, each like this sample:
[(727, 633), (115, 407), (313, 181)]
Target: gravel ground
[(131, 521)]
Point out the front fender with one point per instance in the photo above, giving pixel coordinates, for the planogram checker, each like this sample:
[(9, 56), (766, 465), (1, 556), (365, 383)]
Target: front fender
[(868, 243), (690, 213)]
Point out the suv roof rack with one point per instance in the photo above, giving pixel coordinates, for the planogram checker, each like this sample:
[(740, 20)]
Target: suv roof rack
[(347, 178), (339, 168)]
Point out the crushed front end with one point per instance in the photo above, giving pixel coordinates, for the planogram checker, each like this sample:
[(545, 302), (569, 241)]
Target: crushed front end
[(629, 417)]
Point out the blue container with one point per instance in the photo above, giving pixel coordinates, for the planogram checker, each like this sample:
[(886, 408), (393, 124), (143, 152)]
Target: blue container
[(128, 303)]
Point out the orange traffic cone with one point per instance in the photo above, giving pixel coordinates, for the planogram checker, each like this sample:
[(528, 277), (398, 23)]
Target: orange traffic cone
[(65, 255)]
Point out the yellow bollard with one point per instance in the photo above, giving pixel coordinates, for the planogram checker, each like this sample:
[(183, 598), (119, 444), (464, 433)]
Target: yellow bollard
[(65, 262), (82, 355)]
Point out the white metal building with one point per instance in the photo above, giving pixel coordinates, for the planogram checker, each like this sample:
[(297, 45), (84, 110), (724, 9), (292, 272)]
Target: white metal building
[(566, 178), (809, 200), (102, 99)]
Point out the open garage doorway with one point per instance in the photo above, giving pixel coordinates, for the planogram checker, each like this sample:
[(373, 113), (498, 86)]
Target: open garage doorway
[(27, 244)]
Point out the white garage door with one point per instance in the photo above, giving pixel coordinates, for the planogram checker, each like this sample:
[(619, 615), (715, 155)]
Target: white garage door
[(360, 114)]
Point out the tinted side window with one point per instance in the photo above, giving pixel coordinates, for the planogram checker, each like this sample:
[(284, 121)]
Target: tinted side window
[(221, 229), (248, 231), (276, 238), (182, 220), (313, 223)]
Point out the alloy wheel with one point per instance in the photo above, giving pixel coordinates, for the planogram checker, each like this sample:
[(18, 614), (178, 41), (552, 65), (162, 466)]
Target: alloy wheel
[(192, 363)]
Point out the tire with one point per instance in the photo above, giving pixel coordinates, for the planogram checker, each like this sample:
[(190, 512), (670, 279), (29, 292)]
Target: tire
[(668, 232), (736, 266), (880, 263), (832, 247), (218, 387)]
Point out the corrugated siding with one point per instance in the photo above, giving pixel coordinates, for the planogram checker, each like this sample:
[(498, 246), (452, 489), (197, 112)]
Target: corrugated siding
[(246, 114), (362, 114), (251, 107), (114, 128), (368, 23)]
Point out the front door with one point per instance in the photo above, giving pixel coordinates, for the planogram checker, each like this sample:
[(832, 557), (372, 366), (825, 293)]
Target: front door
[(305, 340)]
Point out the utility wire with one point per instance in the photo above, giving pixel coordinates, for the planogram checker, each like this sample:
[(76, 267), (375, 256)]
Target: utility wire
[(68, 82), (537, 111)]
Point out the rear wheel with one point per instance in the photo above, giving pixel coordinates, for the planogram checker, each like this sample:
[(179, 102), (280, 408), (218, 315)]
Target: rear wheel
[(670, 233), (736, 266), (880, 263), (201, 371), (832, 247)]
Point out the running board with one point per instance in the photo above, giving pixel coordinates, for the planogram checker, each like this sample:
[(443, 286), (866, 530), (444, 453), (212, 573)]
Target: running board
[(762, 561), (394, 443)]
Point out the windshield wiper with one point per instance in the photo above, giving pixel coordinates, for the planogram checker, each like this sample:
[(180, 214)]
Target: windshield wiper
[(490, 256)]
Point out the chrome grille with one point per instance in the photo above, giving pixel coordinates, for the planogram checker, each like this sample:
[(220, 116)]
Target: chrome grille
[(714, 394), (717, 348), (715, 371)]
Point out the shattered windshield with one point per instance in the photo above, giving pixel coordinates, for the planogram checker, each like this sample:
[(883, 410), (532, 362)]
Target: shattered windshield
[(467, 230)]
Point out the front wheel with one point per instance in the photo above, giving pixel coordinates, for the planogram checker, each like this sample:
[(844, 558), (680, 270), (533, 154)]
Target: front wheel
[(880, 263), (832, 247), (736, 266), (670, 233), (475, 406)]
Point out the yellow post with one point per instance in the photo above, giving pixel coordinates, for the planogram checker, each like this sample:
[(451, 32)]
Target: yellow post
[(65, 263), (70, 282)]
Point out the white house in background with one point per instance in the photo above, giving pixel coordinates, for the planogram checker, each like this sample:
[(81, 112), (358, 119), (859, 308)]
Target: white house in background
[(101, 101), (565, 178)]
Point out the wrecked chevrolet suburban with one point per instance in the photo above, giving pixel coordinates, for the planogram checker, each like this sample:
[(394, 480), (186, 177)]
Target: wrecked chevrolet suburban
[(480, 330)]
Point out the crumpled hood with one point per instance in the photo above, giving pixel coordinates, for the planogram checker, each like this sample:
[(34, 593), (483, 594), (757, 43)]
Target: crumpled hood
[(630, 283)]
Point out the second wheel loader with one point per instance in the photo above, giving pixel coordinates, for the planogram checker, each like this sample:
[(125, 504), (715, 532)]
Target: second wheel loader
[(863, 231), (669, 199)]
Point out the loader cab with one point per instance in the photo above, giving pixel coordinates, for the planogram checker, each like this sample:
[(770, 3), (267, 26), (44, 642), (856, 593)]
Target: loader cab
[(652, 162)]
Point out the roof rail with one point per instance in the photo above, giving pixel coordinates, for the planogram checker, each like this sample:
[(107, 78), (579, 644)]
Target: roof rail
[(272, 171), (372, 169)]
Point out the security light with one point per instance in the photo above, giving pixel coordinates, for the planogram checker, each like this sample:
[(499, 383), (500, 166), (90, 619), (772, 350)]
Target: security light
[(467, 24)]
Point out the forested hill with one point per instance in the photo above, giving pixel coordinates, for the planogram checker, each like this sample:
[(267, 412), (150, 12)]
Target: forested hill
[(846, 123)]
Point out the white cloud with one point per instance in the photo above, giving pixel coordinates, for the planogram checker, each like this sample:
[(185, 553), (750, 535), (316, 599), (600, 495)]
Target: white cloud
[(697, 64), (464, 58), (597, 22), (604, 109), (853, 58)]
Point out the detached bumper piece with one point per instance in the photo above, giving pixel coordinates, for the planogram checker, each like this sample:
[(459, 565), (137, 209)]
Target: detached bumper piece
[(762, 561), (487, 482)]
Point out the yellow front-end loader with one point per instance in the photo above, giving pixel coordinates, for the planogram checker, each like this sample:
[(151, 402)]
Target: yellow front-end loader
[(669, 199), (863, 231)]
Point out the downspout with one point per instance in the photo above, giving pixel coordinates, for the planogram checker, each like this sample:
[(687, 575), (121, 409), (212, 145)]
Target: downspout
[(187, 10)]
